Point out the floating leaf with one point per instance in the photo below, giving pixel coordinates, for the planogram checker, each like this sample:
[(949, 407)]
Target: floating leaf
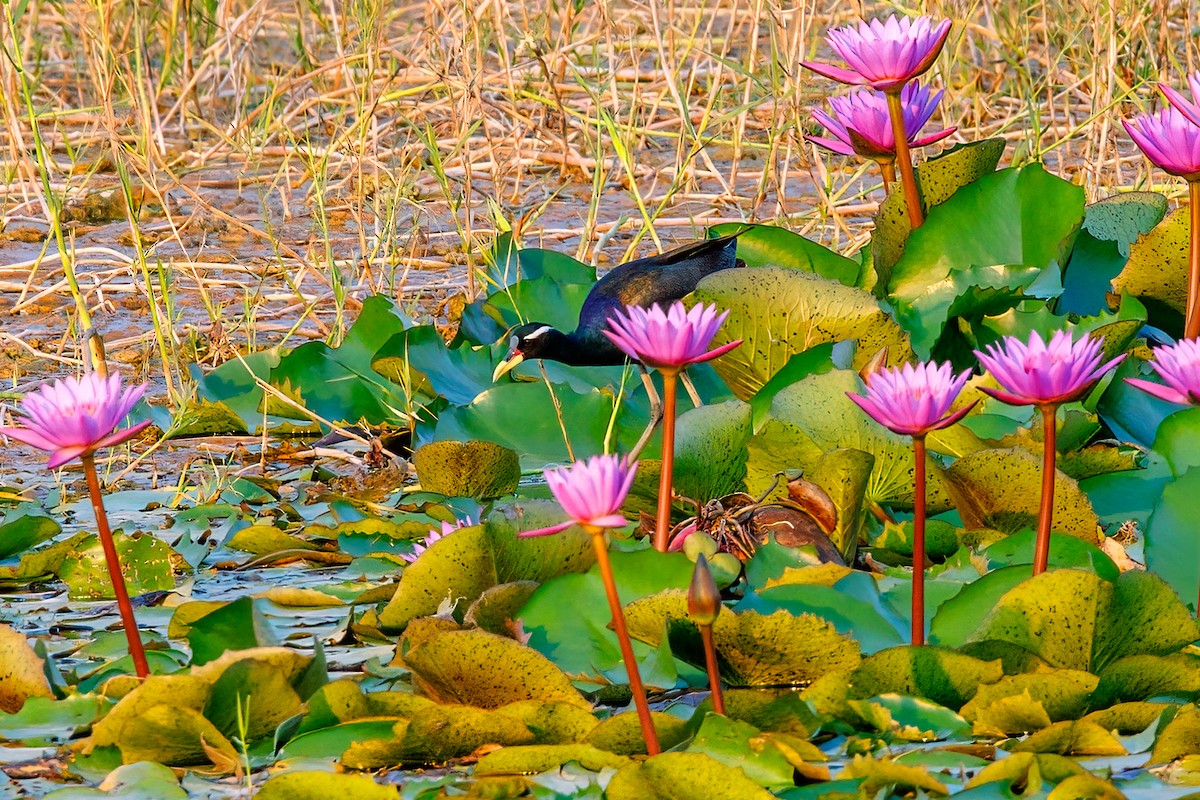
[(1026, 771), (778, 313), (1180, 737), (438, 733), (1156, 272), (1142, 677), (939, 178), (1077, 620), (145, 562), (622, 733), (22, 673), (1032, 219), (813, 417), (239, 625), (478, 668), (25, 526), (910, 718), (419, 359), (482, 470), (880, 773), (739, 744), (769, 246), (1110, 226), (1058, 694), (1172, 546), (947, 678), (530, 759), (306, 785), (683, 776), (553, 722), (456, 566), (262, 540), (1001, 489)]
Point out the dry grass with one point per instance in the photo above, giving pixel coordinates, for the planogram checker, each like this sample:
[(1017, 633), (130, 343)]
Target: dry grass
[(269, 163)]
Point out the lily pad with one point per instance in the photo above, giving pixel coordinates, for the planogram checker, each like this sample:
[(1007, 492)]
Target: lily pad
[(1156, 272), (544, 757), (478, 668), (25, 526), (145, 562), (311, 785), (482, 470), (1001, 489), (683, 776), (770, 246), (778, 313), (947, 678), (22, 672)]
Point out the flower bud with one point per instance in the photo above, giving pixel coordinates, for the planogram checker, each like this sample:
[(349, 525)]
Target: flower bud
[(703, 598)]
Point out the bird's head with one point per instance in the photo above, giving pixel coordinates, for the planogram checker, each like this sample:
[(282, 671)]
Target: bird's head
[(531, 340)]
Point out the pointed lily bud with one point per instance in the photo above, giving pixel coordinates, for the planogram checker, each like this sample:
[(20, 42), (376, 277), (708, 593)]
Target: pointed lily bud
[(703, 598), (877, 362)]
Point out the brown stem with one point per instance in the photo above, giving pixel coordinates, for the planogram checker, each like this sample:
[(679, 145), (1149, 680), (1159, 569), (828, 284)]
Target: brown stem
[(887, 169), (710, 662), (1041, 552), (114, 568), (618, 619), (663, 529), (1191, 324), (908, 178), (918, 579)]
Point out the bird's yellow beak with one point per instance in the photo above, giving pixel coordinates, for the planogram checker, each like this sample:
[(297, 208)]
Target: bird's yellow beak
[(506, 365)]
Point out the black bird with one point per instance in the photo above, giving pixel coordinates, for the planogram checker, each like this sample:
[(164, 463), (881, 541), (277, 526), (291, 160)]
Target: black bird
[(661, 279)]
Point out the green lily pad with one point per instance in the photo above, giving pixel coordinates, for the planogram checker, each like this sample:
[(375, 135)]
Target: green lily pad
[(25, 526), (438, 733), (1156, 272), (683, 776), (496, 609), (910, 719), (739, 744), (752, 649), (770, 246), (251, 698), (458, 565), (310, 785), (234, 626), (483, 470), (478, 668), (622, 733), (1033, 218), (530, 759), (939, 179), (418, 358), (1180, 737), (145, 562), (1057, 694), (262, 540), (1001, 489), (1144, 676), (143, 780), (947, 678), (778, 313), (1172, 548), (43, 720), (710, 454), (1026, 771), (553, 722), (880, 773), (1077, 620)]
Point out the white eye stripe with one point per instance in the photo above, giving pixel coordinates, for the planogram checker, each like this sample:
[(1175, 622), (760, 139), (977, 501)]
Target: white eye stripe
[(539, 332)]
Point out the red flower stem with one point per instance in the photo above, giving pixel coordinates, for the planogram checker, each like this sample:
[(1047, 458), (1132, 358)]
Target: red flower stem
[(887, 169), (1041, 552), (114, 568), (908, 178), (710, 662), (918, 578), (618, 620), (662, 530), (1191, 324)]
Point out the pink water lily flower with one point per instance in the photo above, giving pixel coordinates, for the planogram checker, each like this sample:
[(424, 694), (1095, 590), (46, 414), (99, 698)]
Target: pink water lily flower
[(73, 417), (1036, 373), (1189, 109), (884, 55), (1169, 139), (860, 124), (591, 492), (669, 339), (1179, 366), (914, 400)]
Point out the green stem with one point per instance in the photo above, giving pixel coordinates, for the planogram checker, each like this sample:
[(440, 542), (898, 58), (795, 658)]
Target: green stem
[(1041, 553), (663, 528), (710, 663), (918, 578), (908, 178), (114, 568), (1191, 325), (618, 620)]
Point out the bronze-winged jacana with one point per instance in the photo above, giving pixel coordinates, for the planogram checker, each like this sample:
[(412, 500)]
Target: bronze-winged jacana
[(661, 279)]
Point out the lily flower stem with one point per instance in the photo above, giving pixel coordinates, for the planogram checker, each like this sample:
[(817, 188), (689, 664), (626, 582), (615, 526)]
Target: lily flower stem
[(662, 529), (887, 170), (618, 619), (710, 662), (1191, 325), (918, 578), (1041, 553), (908, 178), (114, 568)]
